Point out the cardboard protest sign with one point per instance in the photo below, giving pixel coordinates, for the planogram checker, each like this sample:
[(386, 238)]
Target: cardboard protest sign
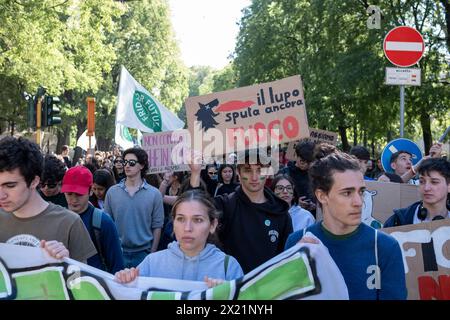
[(316, 135), (166, 150), (381, 198), (426, 257), (248, 117), (305, 271), (387, 196)]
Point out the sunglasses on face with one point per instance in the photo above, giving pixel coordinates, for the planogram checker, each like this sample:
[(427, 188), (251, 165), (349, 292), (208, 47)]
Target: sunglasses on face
[(212, 173), (48, 185), (132, 163), (288, 189), (118, 161)]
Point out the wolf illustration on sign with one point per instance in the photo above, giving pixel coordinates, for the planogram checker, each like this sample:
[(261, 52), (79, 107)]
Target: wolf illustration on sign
[(366, 216), (206, 115)]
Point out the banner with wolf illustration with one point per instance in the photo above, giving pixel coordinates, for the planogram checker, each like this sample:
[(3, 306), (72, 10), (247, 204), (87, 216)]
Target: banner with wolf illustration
[(305, 271), (248, 117)]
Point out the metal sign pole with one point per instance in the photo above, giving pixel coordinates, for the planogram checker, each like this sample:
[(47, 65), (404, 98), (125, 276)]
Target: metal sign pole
[(402, 109)]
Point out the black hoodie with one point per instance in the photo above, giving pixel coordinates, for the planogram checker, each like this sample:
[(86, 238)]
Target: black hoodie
[(253, 233)]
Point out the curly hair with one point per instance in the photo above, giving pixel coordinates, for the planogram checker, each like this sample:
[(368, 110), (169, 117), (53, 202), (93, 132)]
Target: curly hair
[(22, 154), (142, 158), (54, 169)]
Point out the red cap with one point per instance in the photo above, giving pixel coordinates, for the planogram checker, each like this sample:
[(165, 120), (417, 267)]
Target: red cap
[(78, 180)]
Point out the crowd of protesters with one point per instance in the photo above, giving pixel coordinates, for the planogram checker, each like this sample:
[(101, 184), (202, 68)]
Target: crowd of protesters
[(186, 225)]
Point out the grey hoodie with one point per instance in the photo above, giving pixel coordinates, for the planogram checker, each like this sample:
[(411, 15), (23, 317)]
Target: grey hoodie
[(174, 264)]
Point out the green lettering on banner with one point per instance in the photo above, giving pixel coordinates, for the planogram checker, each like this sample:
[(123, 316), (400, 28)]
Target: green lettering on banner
[(5, 283), (222, 292), (160, 295), (288, 276), (88, 290), (44, 284), (147, 111)]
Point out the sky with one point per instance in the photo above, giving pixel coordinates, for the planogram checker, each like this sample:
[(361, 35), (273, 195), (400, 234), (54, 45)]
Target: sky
[(206, 30)]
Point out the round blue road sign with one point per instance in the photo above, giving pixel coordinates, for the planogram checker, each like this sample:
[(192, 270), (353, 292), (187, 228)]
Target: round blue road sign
[(398, 145)]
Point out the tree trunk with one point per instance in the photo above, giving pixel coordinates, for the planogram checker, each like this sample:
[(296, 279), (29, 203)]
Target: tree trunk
[(446, 5), (343, 134), (355, 135), (63, 138), (81, 126), (103, 144), (426, 130), (12, 125)]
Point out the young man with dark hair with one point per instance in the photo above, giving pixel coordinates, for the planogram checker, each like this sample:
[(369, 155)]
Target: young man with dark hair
[(52, 175), (255, 223), (370, 261), (434, 187), (77, 187), (137, 209), (25, 218)]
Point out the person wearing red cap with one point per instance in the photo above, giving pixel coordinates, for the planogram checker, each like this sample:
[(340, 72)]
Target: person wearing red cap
[(27, 219), (77, 187)]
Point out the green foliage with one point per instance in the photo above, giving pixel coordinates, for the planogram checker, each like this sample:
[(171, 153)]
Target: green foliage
[(341, 61), (75, 49)]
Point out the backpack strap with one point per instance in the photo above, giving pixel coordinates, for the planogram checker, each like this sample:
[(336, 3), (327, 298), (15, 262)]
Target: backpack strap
[(96, 226), (225, 263), (97, 218)]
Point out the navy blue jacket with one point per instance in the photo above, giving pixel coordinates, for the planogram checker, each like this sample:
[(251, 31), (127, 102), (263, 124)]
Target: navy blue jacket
[(109, 240), (402, 216)]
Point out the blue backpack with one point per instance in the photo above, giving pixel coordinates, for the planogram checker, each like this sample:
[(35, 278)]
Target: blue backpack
[(97, 227)]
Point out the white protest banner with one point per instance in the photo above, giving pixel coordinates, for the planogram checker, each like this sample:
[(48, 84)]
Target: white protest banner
[(252, 117), (137, 108), (166, 150), (305, 271), (426, 257)]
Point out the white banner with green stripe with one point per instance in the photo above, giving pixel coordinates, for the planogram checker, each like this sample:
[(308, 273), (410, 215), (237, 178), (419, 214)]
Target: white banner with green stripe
[(305, 271)]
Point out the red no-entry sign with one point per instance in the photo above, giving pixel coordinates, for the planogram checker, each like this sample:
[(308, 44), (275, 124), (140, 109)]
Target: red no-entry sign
[(403, 46)]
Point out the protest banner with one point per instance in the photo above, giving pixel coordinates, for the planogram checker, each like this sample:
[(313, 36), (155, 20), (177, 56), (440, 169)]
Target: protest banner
[(305, 271), (252, 117), (316, 135), (166, 150), (138, 109), (426, 257)]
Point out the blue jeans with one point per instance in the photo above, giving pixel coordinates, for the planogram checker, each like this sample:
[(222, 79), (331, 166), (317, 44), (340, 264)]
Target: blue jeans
[(132, 259)]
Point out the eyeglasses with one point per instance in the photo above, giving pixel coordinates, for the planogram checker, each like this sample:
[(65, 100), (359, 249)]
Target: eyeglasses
[(212, 173), (281, 188), (49, 185), (132, 163)]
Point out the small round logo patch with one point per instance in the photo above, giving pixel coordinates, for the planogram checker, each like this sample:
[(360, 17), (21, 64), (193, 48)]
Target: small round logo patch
[(147, 111), (267, 223)]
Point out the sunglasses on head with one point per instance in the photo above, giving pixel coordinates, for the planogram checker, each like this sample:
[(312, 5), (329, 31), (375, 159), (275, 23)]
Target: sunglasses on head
[(132, 163), (49, 185)]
